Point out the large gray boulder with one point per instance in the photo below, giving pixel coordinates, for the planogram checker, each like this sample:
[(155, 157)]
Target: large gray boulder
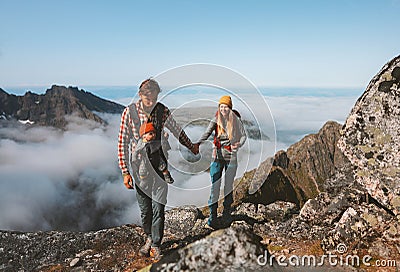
[(371, 137), (366, 226), (233, 249)]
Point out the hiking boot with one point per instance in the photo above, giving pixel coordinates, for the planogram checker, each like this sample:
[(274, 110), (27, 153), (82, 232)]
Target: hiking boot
[(210, 226), (168, 178), (212, 223), (155, 253), (145, 249), (226, 216)]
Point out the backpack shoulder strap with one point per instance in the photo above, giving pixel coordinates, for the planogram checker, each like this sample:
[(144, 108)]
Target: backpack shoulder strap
[(159, 116), (156, 117), (160, 110), (135, 118), (236, 113), (236, 121)]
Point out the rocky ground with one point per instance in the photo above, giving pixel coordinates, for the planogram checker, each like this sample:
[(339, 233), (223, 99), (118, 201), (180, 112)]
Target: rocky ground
[(113, 249)]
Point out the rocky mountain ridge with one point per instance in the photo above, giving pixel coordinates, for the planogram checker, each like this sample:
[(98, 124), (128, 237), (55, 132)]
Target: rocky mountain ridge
[(297, 174), (51, 108)]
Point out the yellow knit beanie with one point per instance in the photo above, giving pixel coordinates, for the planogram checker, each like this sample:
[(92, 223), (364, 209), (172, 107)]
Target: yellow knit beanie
[(226, 99)]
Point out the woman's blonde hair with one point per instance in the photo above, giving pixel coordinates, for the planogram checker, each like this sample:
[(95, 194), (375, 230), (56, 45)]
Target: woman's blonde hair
[(229, 124)]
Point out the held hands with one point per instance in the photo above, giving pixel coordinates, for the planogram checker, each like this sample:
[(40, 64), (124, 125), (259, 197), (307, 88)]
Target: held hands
[(128, 181), (195, 148), (235, 146)]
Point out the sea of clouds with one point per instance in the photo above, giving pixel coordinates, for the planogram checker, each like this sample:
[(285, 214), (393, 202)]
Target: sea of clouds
[(70, 180)]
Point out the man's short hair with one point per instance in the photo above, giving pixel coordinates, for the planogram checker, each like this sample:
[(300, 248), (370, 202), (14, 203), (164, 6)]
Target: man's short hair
[(149, 85)]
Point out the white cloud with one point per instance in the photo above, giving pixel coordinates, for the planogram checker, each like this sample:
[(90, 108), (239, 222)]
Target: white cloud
[(296, 117), (69, 180)]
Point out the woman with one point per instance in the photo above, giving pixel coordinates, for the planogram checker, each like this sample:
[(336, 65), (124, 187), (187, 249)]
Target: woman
[(229, 136)]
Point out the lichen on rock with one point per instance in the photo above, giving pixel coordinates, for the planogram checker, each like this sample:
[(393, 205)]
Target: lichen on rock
[(371, 137)]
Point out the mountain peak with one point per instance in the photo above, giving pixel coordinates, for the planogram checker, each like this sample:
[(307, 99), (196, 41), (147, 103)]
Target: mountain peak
[(51, 108), (63, 89)]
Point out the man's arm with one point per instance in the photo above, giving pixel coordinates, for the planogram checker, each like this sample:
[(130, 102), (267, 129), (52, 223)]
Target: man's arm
[(123, 148), (176, 130), (123, 142)]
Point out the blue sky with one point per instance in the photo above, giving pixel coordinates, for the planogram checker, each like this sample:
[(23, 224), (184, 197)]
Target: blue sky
[(273, 43)]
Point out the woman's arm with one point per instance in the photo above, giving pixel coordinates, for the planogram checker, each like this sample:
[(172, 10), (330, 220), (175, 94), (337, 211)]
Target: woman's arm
[(209, 130), (242, 138)]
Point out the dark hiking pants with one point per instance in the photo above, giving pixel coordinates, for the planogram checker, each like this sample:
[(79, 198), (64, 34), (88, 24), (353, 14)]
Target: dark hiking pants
[(152, 202)]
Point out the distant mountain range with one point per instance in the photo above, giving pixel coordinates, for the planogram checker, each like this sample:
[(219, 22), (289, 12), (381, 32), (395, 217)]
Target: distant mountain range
[(50, 109)]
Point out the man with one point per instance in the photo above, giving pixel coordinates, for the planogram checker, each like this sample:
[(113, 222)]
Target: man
[(153, 197)]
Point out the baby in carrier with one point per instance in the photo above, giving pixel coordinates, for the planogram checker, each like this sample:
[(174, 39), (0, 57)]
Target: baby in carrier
[(148, 153)]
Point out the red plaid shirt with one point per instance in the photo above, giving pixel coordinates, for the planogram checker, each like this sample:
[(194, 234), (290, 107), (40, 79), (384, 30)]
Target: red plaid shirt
[(127, 129)]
